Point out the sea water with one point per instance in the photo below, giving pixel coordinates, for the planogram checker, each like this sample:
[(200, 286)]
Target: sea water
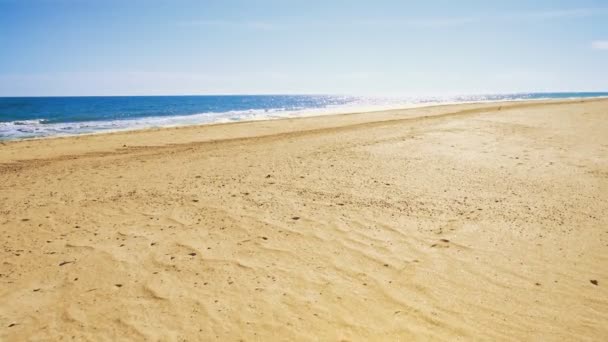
[(34, 117)]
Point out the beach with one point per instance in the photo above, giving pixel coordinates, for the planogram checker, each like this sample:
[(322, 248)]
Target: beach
[(481, 221)]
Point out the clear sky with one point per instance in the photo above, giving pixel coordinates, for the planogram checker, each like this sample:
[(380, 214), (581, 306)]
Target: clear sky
[(125, 47)]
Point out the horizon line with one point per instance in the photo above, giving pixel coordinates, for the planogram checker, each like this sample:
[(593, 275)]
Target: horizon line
[(318, 94)]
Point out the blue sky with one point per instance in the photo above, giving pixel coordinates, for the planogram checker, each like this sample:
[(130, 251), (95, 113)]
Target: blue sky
[(73, 47)]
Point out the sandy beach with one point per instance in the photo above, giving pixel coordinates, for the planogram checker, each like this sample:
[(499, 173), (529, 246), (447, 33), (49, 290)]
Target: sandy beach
[(460, 222)]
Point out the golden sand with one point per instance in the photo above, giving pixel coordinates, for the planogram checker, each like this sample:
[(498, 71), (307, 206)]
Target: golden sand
[(470, 222)]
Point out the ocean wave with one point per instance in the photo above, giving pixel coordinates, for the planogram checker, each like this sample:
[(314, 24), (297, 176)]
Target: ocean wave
[(38, 128), (42, 127), (24, 129)]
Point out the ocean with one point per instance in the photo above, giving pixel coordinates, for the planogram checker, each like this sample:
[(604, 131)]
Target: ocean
[(35, 117)]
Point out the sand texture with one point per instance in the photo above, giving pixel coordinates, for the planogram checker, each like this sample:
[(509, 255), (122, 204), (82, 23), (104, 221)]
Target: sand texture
[(462, 222)]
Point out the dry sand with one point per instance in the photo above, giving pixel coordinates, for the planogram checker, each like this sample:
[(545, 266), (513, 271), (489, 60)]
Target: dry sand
[(464, 222)]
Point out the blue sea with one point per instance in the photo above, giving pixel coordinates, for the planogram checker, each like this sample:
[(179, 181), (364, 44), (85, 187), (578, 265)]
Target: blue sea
[(35, 117)]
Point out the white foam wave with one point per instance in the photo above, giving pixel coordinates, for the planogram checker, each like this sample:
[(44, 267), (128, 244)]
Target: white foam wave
[(39, 128), (25, 129)]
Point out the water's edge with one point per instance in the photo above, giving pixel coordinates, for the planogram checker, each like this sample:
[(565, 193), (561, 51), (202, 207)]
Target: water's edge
[(38, 129)]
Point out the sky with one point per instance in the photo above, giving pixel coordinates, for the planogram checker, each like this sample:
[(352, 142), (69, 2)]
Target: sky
[(392, 48)]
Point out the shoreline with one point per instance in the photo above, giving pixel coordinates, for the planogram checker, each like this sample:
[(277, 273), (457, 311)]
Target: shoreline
[(308, 114), (118, 139)]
